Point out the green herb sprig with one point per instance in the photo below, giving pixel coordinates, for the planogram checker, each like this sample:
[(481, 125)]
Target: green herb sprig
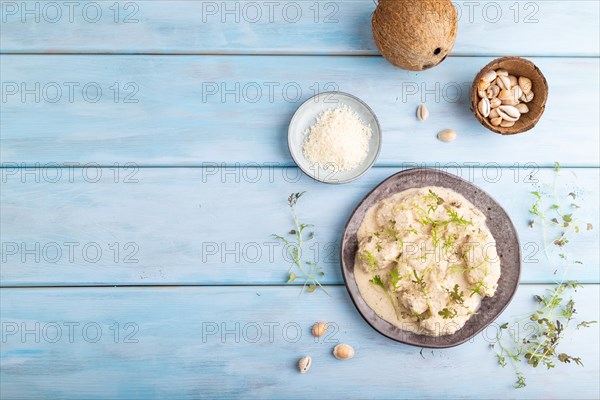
[(555, 216), (309, 270), (378, 281), (448, 313), (553, 314), (554, 311)]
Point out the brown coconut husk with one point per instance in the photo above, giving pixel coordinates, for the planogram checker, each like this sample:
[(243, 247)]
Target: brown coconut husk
[(415, 34)]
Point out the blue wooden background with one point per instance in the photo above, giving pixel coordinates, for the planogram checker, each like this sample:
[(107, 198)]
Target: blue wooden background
[(145, 165)]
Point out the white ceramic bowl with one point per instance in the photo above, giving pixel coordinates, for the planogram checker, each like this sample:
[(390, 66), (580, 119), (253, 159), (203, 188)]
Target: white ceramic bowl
[(306, 116)]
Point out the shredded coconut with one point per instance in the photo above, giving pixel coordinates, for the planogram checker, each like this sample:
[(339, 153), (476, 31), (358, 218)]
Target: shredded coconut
[(339, 139)]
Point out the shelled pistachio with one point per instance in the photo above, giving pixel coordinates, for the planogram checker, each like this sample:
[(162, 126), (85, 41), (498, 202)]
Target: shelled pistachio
[(502, 99)]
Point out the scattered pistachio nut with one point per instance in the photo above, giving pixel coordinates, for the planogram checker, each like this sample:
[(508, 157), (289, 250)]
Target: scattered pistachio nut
[(343, 351), (422, 113), (447, 135), (304, 364), (319, 329)]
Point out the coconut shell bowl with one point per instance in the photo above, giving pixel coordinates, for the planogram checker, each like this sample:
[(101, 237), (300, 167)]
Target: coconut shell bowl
[(535, 103)]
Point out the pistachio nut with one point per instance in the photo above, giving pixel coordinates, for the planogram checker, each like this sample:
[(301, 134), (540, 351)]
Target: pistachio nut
[(484, 107), (505, 95), (304, 364), (319, 329), (496, 121), (343, 352), (422, 113), (509, 113), (516, 93), (503, 82), (447, 135), (522, 107), (489, 76), (525, 84), (495, 102), (492, 91), (527, 97)]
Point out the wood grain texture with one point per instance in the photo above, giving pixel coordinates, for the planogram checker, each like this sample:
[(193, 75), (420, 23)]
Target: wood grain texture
[(543, 28), (214, 108), (177, 355), (213, 226), (183, 113)]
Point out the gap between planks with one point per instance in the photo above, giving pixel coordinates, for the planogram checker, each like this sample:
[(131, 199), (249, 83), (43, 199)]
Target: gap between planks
[(271, 165), (281, 54), (183, 285)]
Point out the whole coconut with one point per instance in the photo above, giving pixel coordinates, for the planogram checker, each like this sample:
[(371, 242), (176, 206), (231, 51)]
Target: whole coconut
[(415, 34)]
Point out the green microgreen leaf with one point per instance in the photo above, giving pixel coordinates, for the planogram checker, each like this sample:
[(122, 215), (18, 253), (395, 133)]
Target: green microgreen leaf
[(376, 280), (292, 277), (307, 270)]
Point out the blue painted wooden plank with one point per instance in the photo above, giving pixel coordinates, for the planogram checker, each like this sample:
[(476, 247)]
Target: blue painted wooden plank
[(285, 27), (212, 226), (189, 110), (217, 342)]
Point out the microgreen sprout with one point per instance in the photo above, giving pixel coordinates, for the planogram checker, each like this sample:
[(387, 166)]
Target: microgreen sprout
[(552, 316), (554, 311), (309, 270)]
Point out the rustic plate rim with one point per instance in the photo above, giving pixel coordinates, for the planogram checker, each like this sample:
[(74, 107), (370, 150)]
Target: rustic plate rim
[(475, 332)]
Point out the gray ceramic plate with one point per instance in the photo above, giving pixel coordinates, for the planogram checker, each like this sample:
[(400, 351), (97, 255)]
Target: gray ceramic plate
[(500, 225), (306, 116)]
